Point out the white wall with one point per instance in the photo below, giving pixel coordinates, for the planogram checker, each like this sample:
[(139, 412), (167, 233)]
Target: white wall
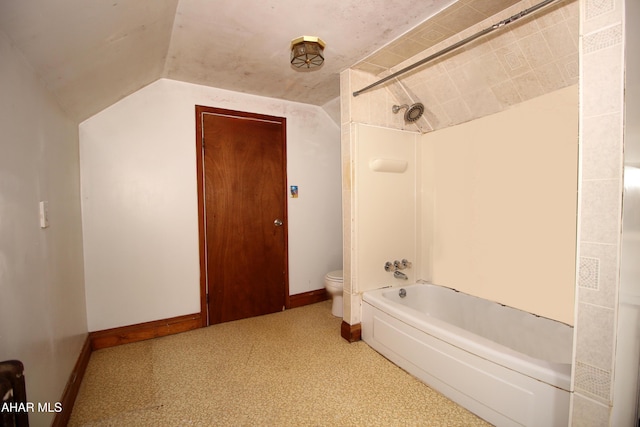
[(139, 200), (42, 301)]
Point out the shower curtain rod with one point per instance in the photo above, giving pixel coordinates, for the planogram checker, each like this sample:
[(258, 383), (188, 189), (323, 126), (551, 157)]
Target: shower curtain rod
[(457, 45)]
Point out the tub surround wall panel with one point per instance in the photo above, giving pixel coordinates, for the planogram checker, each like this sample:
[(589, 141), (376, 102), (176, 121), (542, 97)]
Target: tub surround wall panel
[(383, 223), (354, 110), (42, 301), (426, 218), (140, 203), (385, 209), (504, 205), (491, 194)]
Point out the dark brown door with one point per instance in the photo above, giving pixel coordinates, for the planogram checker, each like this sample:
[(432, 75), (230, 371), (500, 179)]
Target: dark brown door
[(244, 223)]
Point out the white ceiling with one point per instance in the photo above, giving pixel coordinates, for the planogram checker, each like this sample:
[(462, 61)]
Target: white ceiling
[(92, 53)]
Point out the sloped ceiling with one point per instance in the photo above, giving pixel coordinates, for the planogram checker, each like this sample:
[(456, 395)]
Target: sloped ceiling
[(91, 54)]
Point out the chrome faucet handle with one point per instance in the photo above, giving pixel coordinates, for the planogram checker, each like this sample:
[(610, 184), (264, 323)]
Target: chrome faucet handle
[(400, 275), (406, 264), (398, 265), (388, 266)]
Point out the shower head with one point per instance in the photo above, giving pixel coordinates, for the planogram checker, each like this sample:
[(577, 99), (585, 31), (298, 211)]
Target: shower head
[(413, 113)]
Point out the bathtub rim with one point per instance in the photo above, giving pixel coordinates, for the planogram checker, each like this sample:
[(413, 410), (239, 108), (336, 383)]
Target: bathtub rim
[(553, 373)]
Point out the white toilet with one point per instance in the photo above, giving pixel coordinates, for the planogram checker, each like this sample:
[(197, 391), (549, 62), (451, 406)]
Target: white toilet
[(333, 284)]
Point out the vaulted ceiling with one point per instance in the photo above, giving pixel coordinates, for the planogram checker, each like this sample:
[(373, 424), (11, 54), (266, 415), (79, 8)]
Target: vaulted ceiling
[(92, 53)]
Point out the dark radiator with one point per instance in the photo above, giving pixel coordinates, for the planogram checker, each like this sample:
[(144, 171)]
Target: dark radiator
[(13, 395)]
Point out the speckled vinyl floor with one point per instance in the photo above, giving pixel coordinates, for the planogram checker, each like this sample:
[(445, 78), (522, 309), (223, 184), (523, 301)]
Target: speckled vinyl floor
[(284, 369)]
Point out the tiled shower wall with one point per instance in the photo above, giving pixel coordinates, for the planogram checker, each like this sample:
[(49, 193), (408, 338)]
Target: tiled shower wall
[(530, 57), (600, 212)]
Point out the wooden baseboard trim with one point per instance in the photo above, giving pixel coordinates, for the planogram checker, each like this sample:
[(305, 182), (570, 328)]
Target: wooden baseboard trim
[(70, 392), (144, 331), (113, 337), (307, 298), (351, 333)]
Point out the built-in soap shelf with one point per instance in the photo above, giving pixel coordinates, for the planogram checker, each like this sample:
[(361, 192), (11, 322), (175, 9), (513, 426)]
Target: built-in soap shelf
[(388, 165)]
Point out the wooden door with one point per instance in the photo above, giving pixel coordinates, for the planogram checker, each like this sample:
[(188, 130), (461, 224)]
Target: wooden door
[(242, 171)]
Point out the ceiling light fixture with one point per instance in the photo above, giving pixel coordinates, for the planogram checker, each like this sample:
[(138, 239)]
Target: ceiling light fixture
[(307, 52)]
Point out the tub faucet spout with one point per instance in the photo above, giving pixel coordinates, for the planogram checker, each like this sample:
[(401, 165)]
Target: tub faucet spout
[(400, 275)]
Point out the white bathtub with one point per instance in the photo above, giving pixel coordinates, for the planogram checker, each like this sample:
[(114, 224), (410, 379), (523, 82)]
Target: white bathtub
[(507, 366)]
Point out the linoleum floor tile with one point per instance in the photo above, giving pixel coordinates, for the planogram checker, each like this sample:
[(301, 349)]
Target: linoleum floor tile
[(284, 369)]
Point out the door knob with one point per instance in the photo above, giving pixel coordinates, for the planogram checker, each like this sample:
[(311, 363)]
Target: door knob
[(277, 222)]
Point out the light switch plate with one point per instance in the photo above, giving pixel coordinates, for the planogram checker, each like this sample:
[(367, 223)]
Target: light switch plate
[(44, 214)]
